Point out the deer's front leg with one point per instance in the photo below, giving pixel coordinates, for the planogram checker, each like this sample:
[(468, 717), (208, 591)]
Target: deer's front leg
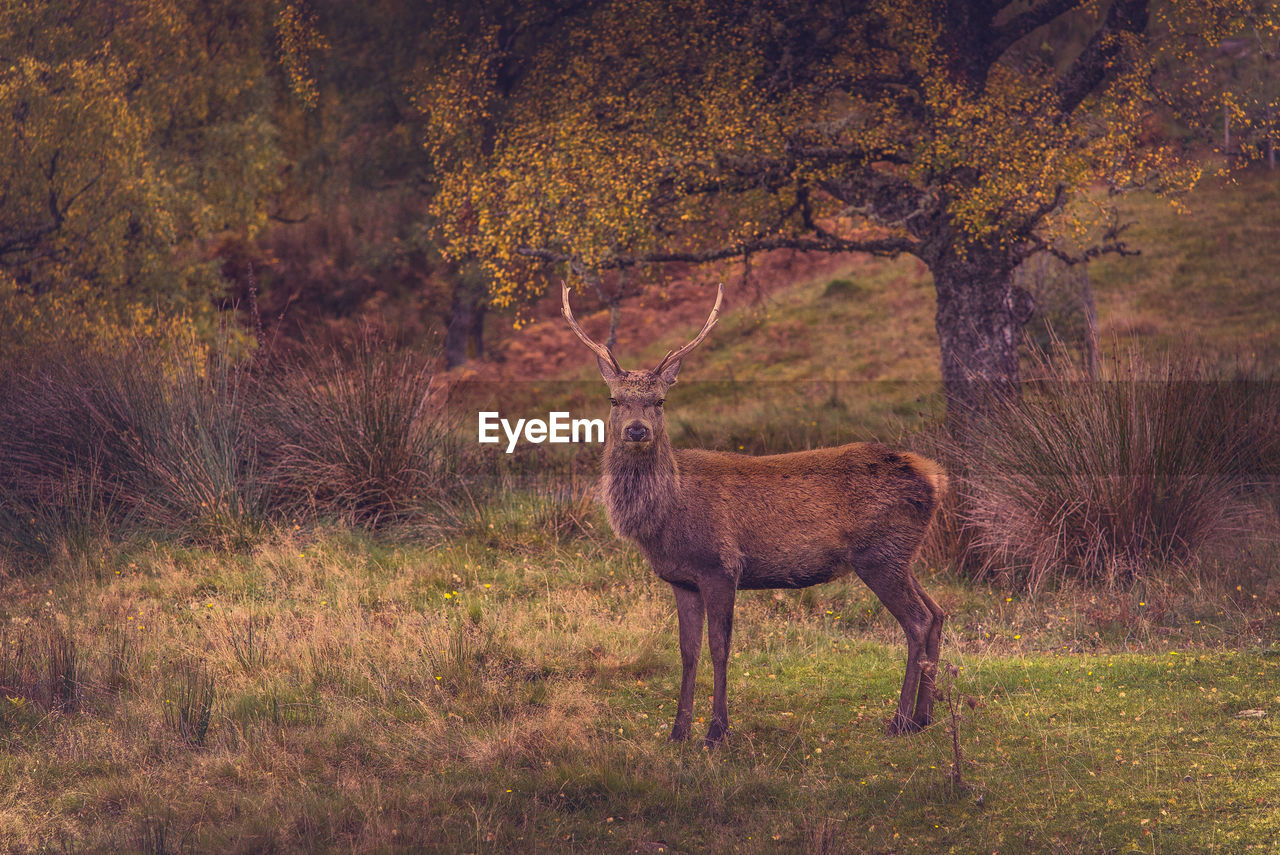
[(689, 610), (718, 596)]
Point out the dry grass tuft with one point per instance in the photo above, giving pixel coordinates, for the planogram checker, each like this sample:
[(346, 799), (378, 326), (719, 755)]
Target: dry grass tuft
[(149, 436), (360, 434), (41, 670), (215, 449), (1113, 480), (188, 710)]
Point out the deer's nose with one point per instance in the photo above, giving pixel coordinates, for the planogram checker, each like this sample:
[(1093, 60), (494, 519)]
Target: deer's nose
[(636, 432)]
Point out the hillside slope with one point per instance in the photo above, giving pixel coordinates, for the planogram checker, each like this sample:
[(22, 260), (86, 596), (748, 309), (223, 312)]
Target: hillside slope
[(817, 350)]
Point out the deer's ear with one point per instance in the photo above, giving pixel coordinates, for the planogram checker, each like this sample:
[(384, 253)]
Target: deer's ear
[(607, 371), (669, 372)]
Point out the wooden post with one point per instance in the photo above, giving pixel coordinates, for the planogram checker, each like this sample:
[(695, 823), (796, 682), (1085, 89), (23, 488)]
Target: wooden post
[(1271, 137)]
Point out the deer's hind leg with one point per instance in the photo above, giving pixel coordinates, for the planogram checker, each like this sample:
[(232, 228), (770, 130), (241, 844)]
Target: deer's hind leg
[(929, 667), (893, 583)]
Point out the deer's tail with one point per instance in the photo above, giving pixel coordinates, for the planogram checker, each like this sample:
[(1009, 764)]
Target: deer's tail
[(932, 472)]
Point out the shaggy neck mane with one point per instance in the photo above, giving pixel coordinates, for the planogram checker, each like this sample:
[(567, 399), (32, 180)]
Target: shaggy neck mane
[(639, 490)]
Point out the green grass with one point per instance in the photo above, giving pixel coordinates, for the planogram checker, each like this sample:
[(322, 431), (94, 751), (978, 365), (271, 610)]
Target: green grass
[(1206, 277), (493, 693)]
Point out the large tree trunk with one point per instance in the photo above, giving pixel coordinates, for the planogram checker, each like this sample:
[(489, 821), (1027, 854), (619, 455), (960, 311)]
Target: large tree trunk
[(465, 322), (477, 328), (981, 314), (457, 329)]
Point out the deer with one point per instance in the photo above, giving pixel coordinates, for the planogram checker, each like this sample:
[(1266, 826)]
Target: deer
[(712, 523)]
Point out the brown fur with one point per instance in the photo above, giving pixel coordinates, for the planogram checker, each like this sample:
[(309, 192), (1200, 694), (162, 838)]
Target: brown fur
[(712, 523)]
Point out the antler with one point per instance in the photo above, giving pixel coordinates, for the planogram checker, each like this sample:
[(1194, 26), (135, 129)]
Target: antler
[(677, 355), (600, 350)]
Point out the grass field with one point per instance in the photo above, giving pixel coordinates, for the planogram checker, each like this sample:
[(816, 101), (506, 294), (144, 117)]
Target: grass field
[(1206, 276), (504, 691), (505, 679)]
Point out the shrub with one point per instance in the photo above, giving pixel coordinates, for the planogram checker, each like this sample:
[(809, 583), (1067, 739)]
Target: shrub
[(211, 447), (842, 289), (1108, 480), (362, 435), (146, 434)]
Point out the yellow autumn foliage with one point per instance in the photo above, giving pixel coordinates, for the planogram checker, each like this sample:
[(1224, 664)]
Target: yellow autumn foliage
[(137, 135), (651, 131)]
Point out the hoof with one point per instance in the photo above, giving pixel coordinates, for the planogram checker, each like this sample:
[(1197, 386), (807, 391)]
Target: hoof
[(715, 737), (901, 726)]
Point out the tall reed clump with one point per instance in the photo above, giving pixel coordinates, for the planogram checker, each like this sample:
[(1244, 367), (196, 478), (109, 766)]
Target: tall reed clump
[(43, 668), (149, 435), (200, 471), (206, 445), (1111, 480), (360, 433)]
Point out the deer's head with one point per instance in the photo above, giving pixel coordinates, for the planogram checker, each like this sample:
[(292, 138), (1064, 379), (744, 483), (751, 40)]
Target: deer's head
[(636, 397)]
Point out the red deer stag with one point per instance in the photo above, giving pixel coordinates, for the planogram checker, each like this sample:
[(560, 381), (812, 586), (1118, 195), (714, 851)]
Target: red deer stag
[(712, 523)]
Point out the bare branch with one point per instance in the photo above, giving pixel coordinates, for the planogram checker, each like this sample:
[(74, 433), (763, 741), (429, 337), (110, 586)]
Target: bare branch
[(1110, 245), (1023, 24), (826, 242), (1112, 248), (27, 240), (1097, 61), (1028, 222), (886, 200)]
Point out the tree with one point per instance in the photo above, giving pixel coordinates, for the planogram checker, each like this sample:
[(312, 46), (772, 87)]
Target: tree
[(618, 134), (135, 133)]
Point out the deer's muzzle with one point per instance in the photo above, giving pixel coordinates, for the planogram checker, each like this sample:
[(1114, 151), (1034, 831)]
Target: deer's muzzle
[(637, 432)]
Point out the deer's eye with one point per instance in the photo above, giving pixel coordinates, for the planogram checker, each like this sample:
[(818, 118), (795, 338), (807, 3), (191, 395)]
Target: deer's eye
[(660, 402), (613, 402)]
